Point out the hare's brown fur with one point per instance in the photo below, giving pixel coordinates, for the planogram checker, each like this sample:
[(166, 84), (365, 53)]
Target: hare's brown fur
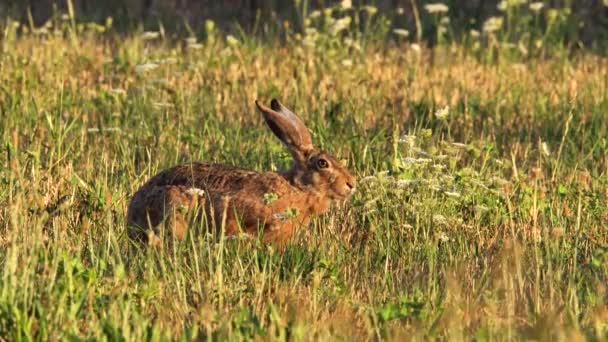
[(274, 204)]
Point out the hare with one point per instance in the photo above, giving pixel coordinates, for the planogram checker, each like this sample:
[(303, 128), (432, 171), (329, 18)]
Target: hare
[(236, 200)]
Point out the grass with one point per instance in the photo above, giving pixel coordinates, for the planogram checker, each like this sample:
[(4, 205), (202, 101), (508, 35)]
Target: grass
[(481, 209)]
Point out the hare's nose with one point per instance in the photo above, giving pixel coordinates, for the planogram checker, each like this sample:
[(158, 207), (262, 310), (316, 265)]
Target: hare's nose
[(350, 186)]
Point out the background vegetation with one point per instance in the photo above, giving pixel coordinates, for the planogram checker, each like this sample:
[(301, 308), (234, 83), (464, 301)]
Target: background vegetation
[(480, 147)]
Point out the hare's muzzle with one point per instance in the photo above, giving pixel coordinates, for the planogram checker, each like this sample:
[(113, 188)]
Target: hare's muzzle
[(350, 188)]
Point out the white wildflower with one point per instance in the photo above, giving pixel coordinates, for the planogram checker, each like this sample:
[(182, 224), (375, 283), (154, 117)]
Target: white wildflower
[(169, 60), (442, 113), (143, 68), (352, 44), (401, 32), (452, 194), (190, 40), (347, 62), (367, 179), (436, 8), (505, 4), (420, 152), (314, 14), (346, 4), (371, 10), (536, 6), (492, 24), (459, 145), (150, 35), (407, 161), (439, 219), (310, 37), (444, 237), (231, 40), (402, 183), (41, 31), (409, 139), (474, 33), (194, 46), (209, 26), (415, 47), (544, 147), (195, 192), (311, 32), (340, 25), (522, 48)]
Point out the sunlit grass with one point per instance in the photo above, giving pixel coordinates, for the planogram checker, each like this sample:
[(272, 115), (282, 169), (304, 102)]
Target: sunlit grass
[(481, 207)]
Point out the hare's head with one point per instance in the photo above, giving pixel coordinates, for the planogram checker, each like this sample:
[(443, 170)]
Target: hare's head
[(314, 169)]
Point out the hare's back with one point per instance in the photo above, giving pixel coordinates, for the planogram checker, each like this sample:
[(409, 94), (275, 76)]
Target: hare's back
[(181, 185), (219, 178)]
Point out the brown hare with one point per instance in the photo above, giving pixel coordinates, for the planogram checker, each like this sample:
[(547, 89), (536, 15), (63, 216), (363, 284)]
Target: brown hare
[(273, 204)]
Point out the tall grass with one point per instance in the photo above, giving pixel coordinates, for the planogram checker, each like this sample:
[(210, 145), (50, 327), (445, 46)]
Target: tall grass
[(480, 211)]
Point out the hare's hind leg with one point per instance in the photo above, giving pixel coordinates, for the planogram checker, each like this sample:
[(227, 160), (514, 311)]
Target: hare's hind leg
[(175, 205), (162, 210)]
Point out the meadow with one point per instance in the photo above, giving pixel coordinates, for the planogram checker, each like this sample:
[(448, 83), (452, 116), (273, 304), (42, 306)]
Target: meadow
[(481, 208)]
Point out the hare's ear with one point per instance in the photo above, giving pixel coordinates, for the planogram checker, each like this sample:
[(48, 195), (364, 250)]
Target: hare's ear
[(287, 126)]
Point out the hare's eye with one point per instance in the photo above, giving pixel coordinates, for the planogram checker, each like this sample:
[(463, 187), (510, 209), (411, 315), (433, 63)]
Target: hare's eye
[(322, 163)]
